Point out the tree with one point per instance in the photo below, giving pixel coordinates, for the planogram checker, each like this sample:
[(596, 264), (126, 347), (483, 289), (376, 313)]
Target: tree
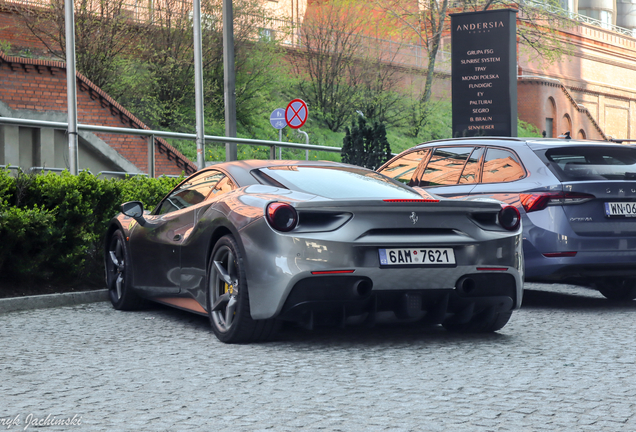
[(146, 60), (102, 33), (168, 62), (380, 149), (345, 66), (426, 25), (327, 65), (365, 145), (378, 96)]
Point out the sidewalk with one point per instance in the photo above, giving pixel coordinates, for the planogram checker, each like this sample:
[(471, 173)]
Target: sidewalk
[(13, 304)]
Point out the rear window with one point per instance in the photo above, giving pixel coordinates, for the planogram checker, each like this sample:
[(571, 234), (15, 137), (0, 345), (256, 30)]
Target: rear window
[(338, 182), (445, 166), (404, 169), (501, 166), (591, 163)]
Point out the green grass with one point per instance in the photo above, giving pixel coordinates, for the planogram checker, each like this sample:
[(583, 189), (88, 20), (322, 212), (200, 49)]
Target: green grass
[(400, 141)]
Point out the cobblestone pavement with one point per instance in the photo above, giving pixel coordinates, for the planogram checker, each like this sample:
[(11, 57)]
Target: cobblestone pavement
[(566, 361)]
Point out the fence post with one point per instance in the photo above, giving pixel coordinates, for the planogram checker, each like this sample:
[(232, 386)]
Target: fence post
[(151, 156), (306, 142)]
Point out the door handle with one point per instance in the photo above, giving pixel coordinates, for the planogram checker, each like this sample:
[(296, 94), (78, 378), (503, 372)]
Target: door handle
[(177, 237)]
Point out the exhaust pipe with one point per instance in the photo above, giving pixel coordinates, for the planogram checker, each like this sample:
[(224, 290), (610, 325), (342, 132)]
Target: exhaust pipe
[(362, 287), (466, 285)]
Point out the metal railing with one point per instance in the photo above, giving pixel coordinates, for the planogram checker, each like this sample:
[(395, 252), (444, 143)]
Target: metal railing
[(166, 134), (558, 10), (579, 18), (36, 169)]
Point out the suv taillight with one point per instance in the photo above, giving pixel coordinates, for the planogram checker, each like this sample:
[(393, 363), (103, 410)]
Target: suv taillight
[(540, 200)]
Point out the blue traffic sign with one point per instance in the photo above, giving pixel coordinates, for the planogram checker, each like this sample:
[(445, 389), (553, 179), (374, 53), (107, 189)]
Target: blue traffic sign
[(277, 118)]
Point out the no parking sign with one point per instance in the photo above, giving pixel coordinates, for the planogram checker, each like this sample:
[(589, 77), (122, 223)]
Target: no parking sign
[(296, 113)]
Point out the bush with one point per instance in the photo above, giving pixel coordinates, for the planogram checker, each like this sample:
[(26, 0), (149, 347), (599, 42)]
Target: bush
[(365, 145), (525, 129), (27, 239), (52, 226)]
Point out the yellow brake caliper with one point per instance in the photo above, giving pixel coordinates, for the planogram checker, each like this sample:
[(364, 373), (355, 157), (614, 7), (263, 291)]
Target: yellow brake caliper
[(228, 288)]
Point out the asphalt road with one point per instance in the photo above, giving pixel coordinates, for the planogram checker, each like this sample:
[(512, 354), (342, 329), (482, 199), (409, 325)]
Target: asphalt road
[(565, 361)]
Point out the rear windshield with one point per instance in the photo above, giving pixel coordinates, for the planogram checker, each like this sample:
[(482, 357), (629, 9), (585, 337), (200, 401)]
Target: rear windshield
[(591, 163), (338, 182)]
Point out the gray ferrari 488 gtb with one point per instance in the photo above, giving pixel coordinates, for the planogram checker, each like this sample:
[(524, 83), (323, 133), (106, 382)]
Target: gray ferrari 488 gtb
[(254, 243)]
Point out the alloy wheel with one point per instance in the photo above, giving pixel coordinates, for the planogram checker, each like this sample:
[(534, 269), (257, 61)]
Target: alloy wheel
[(224, 288), (116, 266)]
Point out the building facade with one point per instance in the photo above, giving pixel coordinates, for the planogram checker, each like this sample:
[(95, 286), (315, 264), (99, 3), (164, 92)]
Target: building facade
[(590, 93), (33, 89)]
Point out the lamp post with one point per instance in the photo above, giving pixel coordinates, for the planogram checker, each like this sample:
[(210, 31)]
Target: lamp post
[(198, 84), (71, 91), (229, 79)]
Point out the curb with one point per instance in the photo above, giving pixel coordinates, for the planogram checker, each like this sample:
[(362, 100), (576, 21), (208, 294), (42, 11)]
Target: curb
[(52, 300)]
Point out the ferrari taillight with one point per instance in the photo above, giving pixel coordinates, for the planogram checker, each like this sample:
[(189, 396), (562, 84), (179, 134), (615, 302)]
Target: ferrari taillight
[(509, 218), (281, 216), (540, 200)]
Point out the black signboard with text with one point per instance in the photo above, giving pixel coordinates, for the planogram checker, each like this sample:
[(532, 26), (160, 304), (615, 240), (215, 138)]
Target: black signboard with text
[(484, 73)]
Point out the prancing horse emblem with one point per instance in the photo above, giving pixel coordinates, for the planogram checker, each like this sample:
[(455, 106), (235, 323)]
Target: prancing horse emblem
[(414, 217)]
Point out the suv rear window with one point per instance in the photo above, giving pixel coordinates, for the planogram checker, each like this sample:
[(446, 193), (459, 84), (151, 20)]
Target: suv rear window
[(591, 162), (445, 166)]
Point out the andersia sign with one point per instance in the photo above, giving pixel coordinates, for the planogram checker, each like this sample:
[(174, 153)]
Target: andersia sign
[(484, 76)]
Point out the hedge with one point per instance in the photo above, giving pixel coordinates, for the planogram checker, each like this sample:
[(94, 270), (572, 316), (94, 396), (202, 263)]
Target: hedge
[(52, 226)]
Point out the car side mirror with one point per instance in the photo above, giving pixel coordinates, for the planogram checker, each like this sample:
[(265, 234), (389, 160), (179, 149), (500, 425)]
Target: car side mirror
[(135, 210)]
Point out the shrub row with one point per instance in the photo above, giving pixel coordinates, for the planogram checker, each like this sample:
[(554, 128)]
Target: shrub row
[(52, 226)]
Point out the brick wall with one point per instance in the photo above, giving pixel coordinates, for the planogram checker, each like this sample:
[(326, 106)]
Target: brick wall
[(539, 99), (40, 86), (14, 31)]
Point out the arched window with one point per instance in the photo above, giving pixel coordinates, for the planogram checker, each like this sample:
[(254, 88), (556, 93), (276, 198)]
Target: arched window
[(566, 125), (550, 124), (581, 134)]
